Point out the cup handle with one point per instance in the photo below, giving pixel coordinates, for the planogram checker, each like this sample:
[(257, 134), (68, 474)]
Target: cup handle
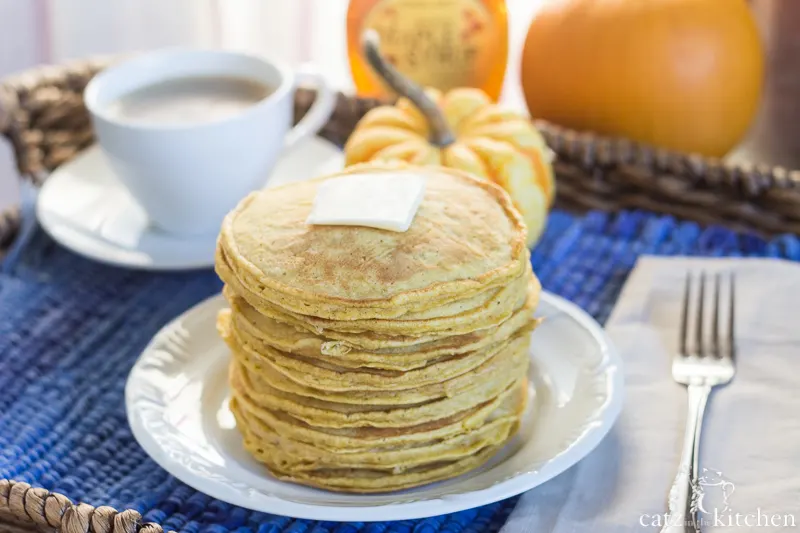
[(320, 111)]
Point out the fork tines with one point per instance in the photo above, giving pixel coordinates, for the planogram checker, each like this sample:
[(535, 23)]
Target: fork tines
[(708, 330)]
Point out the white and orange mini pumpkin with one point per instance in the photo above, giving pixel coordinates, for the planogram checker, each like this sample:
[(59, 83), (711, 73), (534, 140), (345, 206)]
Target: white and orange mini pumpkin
[(461, 129)]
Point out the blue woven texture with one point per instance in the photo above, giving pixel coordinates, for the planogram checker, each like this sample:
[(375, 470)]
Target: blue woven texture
[(70, 329)]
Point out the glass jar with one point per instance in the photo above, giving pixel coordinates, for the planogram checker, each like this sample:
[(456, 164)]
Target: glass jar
[(437, 43)]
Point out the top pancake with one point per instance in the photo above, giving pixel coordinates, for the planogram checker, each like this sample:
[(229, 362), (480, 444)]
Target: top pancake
[(465, 237)]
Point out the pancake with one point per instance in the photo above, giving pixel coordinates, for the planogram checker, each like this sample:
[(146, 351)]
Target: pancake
[(370, 481), (466, 235), (370, 439), (381, 469), (367, 360), (308, 372), (325, 413), (380, 341), (443, 306), (303, 457), (491, 311), (459, 385), (256, 329)]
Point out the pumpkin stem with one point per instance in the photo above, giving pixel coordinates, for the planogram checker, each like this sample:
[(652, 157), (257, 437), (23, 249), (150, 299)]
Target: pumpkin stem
[(441, 135)]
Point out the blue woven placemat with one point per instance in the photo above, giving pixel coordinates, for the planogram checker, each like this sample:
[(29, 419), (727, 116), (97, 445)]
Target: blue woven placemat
[(70, 329)]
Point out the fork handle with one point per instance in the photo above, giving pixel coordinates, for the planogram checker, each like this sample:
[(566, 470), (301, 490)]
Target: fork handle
[(680, 518)]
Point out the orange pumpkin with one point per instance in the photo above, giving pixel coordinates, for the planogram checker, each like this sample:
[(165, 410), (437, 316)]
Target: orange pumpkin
[(681, 74)]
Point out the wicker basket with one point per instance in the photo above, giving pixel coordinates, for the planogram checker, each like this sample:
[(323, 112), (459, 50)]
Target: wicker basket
[(43, 117)]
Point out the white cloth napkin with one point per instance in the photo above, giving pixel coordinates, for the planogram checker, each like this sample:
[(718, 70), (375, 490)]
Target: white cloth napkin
[(751, 435)]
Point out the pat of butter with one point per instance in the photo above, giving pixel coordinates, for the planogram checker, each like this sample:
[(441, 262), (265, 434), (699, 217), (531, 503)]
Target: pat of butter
[(385, 201)]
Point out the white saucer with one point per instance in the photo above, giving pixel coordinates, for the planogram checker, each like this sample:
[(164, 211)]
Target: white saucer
[(85, 208), (177, 403)]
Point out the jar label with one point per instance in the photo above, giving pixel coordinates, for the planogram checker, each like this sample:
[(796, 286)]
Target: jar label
[(444, 44)]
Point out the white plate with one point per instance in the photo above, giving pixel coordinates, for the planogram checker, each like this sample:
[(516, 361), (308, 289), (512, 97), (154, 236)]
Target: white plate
[(85, 208), (177, 403)]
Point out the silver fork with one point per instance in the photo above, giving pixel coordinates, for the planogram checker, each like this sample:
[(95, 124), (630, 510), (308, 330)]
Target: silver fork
[(705, 359)]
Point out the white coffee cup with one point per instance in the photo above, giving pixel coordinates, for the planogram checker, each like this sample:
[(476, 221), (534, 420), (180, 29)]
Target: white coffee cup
[(187, 177)]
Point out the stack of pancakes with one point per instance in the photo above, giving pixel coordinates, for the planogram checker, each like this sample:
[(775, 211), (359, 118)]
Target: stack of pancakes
[(367, 360)]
